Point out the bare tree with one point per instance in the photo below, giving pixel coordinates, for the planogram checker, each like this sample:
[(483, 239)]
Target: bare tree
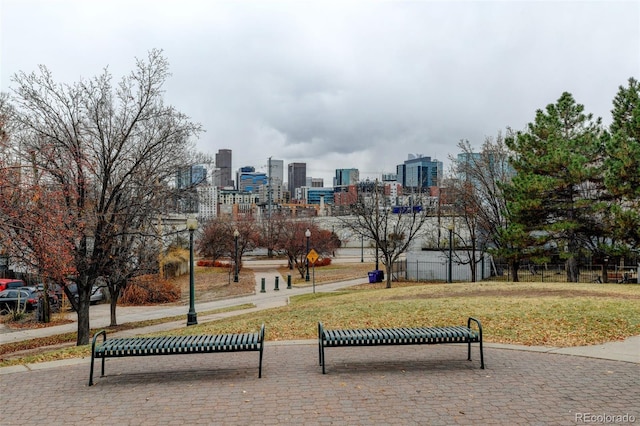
[(391, 228), (112, 152), (479, 201)]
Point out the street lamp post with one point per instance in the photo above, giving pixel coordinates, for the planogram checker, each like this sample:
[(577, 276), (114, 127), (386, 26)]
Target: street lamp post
[(192, 316), (235, 237), (450, 274), (308, 235), (361, 248)]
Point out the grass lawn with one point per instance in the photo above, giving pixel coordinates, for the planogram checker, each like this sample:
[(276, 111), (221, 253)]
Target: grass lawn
[(552, 314)]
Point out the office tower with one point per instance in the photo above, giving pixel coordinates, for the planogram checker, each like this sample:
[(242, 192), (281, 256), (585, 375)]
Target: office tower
[(419, 173), (346, 177), (297, 175), (223, 164)]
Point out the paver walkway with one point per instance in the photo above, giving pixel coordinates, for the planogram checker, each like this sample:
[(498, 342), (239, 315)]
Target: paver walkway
[(370, 386)]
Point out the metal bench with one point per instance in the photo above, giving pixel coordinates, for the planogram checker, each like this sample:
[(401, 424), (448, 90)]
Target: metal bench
[(174, 345), (400, 336)]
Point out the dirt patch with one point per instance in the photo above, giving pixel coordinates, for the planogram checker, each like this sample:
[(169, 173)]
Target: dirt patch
[(30, 322)]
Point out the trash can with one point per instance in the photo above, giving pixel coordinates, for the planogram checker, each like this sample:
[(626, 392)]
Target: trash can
[(376, 276)]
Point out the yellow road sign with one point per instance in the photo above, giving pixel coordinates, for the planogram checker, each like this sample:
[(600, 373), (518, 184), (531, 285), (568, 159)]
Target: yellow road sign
[(312, 257)]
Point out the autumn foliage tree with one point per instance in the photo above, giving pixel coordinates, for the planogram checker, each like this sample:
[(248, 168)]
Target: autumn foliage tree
[(218, 238), (293, 243), (31, 227)]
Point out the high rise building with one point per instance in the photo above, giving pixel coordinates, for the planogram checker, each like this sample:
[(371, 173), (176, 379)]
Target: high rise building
[(276, 171), (297, 176), (188, 179), (345, 177), (223, 164), (249, 180), (419, 173)]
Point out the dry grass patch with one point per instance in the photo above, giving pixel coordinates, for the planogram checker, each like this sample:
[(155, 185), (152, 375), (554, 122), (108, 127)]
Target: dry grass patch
[(330, 273), (547, 314)]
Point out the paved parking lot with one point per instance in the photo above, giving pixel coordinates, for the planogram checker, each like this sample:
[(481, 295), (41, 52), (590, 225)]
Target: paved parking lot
[(401, 385)]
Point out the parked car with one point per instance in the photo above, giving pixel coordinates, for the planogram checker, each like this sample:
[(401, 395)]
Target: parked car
[(97, 295), (6, 283), (23, 298)]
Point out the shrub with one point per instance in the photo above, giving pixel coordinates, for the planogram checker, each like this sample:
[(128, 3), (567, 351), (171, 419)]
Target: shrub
[(213, 264), (16, 314), (323, 261), (148, 289)]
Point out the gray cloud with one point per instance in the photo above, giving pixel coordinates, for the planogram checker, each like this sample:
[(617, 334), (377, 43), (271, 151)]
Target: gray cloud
[(341, 84)]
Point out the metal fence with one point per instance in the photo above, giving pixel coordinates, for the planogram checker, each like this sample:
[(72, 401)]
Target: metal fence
[(589, 273), (428, 271), (438, 272)]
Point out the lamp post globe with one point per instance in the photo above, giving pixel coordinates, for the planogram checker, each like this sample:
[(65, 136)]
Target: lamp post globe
[(192, 316), (308, 235)]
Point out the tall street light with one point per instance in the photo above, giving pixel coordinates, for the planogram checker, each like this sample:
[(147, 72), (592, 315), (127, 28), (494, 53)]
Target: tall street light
[(235, 237), (450, 274), (308, 235), (361, 248), (192, 317)]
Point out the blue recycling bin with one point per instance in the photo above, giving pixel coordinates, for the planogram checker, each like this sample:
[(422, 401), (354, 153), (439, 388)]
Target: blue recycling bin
[(376, 276)]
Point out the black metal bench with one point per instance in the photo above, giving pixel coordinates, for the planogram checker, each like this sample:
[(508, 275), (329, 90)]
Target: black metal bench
[(400, 336), (174, 345)]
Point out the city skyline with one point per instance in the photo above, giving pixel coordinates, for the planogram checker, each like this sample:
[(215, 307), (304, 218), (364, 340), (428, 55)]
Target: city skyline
[(340, 84)]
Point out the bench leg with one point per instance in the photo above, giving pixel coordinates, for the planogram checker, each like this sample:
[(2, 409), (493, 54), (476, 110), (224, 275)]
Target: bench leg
[(471, 319), (321, 346), (260, 366), (102, 333), (91, 371)]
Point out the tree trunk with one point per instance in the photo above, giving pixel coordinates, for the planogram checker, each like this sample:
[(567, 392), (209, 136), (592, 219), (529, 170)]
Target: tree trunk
[(388, 269), (44, 307), (473, 263), (83, 320), (112, 308), (573, 274), (515, 265)]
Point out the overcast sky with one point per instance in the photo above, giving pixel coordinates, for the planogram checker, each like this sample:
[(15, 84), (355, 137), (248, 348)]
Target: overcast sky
[(340, 84)]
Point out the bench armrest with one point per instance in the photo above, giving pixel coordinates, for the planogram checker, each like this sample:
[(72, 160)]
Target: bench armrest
[(478, 324), (95, 337)]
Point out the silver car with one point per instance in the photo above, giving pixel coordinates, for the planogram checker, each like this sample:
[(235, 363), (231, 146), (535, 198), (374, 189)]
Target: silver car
[(97, 295)]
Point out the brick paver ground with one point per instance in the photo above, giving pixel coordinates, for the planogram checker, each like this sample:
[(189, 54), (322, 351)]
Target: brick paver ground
[(395, 385)]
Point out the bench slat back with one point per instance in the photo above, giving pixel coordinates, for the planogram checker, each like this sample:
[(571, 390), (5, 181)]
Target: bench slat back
[(132, 346), (398, 336)]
